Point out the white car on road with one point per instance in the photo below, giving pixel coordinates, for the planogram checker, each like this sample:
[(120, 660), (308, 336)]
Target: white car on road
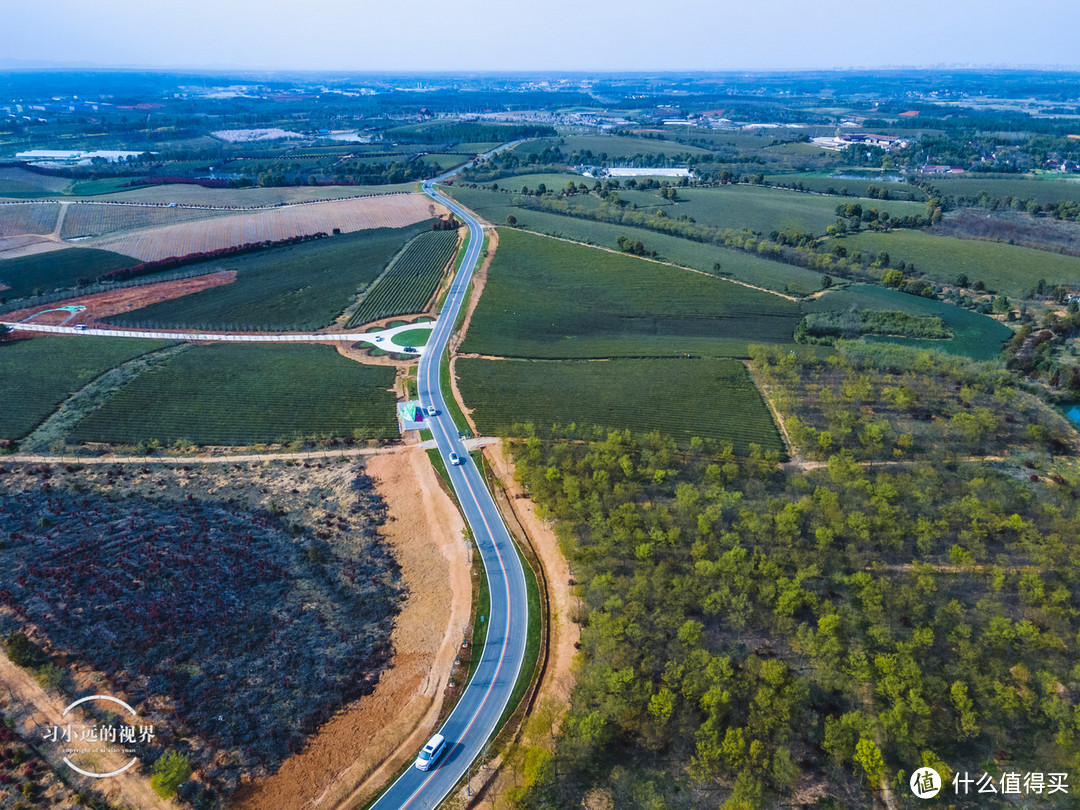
[(455, 459), (431, 752)]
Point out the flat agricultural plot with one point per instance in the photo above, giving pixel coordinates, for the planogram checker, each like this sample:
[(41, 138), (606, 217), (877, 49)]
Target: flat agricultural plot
[(495, 206), (763, 209), (1004, 268), (1026, 188), (302, 286), (37, 374), (18, 219), (18, 181), (392, 211), (974, 335), (122, 299), (552, 299), (615, 147), (554, 181), (188, 194), (710, 399), (237, 394), (410, 282), (94, 219), (858, 187), (57, 270)]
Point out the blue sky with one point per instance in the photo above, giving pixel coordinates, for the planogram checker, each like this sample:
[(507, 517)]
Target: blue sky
[(590, 35)]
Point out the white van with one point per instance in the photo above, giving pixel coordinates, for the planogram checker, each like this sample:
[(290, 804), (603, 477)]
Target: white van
[(431, 752)]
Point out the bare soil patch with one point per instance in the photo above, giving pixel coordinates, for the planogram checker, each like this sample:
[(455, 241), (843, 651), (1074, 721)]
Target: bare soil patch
[(329, 512), (32, 709), (125, 299), (351, 757), (388, 211)]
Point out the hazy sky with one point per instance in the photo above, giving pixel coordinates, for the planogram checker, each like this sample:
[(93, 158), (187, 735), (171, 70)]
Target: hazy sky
[(547, 35)]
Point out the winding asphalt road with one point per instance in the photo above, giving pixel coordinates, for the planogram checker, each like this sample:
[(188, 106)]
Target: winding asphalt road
[(476, 716)]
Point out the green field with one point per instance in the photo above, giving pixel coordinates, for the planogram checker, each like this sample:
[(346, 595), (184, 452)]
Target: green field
[(552, 299), (615, 147), (1004, 268), (302, 286), (710, 399), (974, 335), (57, 270), (552, 180), (235, 394), (857, 187), (1026, 188), (37, 374), (410, 281), (764, 209), (19, 183), (412, 337), (495, 206)]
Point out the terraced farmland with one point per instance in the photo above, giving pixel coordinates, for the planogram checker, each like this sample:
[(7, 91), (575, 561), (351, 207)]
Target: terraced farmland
[(389, 211), (546, 298), (302, 286), (17, 219), (237, 394), (411, 280), (93, 219), (37, 374), (710, 399)]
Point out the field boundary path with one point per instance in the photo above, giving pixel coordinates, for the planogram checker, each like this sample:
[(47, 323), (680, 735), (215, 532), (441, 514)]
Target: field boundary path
[(476, 717), (374, 338), (299, 455)]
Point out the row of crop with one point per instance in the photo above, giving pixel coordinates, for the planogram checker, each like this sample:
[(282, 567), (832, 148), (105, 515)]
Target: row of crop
[(84, 219), (222, 232), (411, 280), (28, 218), (238, 395), (710, 399)]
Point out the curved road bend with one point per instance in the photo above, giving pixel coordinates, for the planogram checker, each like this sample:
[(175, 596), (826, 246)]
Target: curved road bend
[(476, 716)]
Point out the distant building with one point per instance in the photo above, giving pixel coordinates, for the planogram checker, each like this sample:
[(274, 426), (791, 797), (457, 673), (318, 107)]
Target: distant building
[(939, 169)]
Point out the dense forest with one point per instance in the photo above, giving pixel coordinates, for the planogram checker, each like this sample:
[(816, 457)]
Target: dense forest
[(753, 636)]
